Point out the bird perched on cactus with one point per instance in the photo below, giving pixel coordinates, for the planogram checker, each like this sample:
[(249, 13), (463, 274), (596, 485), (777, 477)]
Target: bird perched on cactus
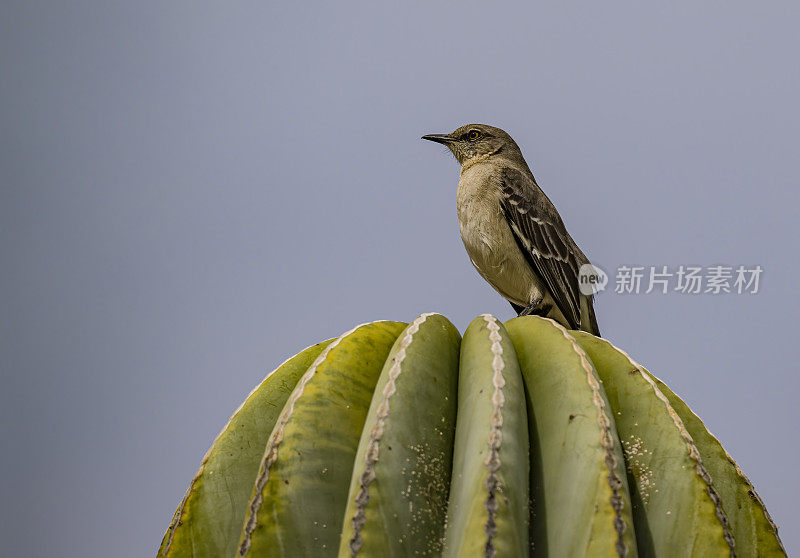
[(513, 234)]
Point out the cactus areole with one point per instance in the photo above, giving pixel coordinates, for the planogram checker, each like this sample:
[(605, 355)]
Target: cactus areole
[(517, 439)]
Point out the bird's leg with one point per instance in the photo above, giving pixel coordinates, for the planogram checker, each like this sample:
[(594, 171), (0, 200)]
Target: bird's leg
[(536, 308)]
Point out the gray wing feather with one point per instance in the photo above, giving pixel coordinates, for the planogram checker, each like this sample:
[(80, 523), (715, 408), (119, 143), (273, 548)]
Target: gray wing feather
[(544, 240)]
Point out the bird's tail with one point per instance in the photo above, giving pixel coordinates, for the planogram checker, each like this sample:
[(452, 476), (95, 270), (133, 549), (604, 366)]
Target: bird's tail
[(588, 317)]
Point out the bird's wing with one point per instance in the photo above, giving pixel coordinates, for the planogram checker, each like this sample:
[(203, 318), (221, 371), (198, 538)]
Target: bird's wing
[(544, 240)]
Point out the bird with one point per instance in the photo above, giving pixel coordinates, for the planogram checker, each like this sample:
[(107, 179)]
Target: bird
[(513, 233)]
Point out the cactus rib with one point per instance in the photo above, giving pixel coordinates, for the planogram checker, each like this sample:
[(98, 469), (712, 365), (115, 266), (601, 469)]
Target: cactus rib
[(310, 452), (368, 475), (614, 479), (495, 434), (556, 368), (753, 529), (397, 496), (691, 448), (275, 439), (488, 509), (635, 401), (208, 519), (702, 472)]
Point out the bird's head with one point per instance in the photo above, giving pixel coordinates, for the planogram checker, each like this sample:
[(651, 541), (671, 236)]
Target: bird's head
[(477, 141)]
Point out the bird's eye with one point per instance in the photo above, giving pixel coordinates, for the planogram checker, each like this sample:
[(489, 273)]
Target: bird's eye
[(473, 135)]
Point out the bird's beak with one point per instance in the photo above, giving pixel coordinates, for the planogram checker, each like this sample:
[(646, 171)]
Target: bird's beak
[(439, 138)]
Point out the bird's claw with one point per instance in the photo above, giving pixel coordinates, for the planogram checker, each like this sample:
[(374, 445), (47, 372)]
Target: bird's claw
[(535, 308)]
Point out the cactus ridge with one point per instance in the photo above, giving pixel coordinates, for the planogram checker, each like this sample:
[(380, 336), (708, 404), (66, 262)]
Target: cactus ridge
[(216, 468), (577, 460), (488, 509), (751, 543), (751, 491), (607, 439), (495, 435), (691, 448), (754, 495), (271, 454), (176, 519), (368, 475)]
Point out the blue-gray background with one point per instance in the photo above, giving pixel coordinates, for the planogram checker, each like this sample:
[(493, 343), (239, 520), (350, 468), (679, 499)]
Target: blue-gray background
[(192, 192)]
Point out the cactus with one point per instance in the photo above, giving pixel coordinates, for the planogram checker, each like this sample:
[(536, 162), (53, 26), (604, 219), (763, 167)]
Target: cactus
[(520, 439)]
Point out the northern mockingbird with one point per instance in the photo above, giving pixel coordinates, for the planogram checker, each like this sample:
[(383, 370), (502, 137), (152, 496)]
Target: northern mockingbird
[(512, 232)]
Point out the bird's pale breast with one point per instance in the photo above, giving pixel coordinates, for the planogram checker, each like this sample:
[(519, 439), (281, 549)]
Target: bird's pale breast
[(488, 238)]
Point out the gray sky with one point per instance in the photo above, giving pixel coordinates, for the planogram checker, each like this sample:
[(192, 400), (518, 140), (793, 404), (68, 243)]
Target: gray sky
[(191, 192)]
